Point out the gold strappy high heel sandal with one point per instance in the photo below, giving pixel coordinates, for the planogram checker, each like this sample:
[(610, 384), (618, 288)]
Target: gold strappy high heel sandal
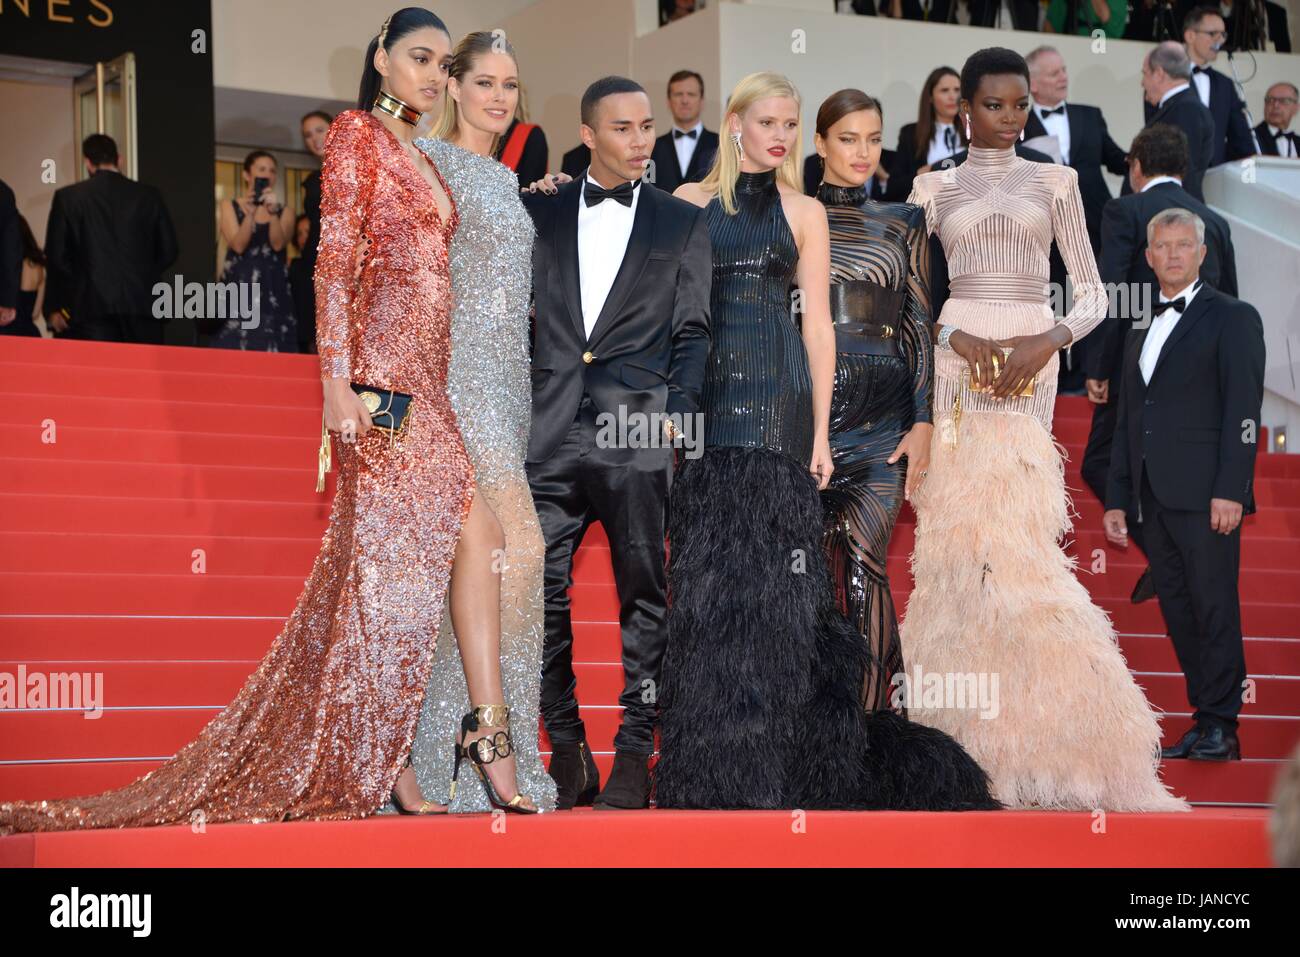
[(485, 750), (424, 805)]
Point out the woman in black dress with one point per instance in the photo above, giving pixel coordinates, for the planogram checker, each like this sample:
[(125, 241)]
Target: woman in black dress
[(880, 420), (314, 127), (761, 692), (31, 286)]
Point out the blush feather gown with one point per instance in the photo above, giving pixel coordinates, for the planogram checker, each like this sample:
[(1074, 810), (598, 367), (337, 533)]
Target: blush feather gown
[(996, 599)]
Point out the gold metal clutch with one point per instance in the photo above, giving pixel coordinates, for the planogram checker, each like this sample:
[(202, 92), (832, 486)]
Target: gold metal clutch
[(1025, 393)]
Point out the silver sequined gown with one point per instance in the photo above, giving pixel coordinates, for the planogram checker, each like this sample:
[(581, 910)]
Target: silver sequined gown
[(490, 390)]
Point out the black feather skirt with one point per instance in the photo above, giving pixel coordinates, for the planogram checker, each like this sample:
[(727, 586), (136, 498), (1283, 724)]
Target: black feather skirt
[(761, 694)]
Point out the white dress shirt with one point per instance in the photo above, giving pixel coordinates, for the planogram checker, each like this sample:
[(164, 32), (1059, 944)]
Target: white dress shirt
[(1284, 144), (685, 145), (1202, 83), (941, 145), (1157, 180), (1057, 125), (603, 232), (1174, 91), (1161, 327)]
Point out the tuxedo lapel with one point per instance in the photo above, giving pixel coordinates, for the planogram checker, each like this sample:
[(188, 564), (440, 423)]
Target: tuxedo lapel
[(634, 260), (1199, 307), (1074, 125), (566, 251), (703, 151), (1034, 126)]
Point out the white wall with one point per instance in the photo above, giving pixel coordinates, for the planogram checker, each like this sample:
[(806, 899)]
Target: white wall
[(38, 126), (313, 48)]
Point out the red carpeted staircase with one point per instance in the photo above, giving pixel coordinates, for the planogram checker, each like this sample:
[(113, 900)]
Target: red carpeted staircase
[(122, 468)]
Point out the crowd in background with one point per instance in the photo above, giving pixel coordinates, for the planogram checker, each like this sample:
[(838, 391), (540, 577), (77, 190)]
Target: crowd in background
[(110, 239)]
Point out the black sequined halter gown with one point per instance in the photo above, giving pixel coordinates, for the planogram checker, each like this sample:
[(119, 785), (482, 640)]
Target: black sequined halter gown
[(762, 688)]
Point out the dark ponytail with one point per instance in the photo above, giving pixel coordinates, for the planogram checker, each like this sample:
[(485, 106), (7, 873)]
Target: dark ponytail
[(404, 21)]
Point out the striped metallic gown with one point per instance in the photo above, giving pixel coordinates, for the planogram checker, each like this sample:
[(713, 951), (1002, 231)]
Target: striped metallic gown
[(880, 275), (490, 389), (763, 677), (1059, 722)]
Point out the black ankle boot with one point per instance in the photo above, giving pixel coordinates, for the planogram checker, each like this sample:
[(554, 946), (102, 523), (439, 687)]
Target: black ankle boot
[(1216, 744), (577, 779), (1184, 745), (629, 783)]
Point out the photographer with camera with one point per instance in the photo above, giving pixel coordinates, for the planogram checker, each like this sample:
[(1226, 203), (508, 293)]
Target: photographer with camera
[(256, 227)]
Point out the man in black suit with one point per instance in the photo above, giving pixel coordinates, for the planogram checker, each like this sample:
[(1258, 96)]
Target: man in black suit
[(685, 153), (1085, 146), (1085, 141), (1275, 136), (621, 279), (1167, 86), (1157, 161), (107, 243), (11, 255), (1184, 464), (1204, 34)]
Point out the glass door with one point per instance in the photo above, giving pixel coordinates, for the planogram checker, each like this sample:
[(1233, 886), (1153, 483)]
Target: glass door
[(104, 102)]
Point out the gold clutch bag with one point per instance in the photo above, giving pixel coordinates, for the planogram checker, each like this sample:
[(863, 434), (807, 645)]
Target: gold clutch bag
[(948, 432), (1024, 393)]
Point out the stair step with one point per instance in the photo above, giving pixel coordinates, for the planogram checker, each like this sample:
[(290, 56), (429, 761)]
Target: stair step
[(1250, 781)]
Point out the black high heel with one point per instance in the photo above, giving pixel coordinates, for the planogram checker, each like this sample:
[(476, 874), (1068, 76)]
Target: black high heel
[(487, 749), (424, 805)]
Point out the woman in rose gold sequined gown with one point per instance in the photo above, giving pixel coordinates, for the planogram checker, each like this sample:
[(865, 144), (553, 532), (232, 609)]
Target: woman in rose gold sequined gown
[(323, 727)]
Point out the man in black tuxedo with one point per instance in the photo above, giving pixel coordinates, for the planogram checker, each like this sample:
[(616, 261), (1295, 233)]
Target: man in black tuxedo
[(1157, 160), (1204, 34), (1184, 465), (11, 255), (685, 153), (1276, 138), (1167, 86), (107, 243), (1085, 146), (1085, 141), (621, 280)]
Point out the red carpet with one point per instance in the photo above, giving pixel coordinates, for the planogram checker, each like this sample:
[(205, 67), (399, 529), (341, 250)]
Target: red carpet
[(122, 465)]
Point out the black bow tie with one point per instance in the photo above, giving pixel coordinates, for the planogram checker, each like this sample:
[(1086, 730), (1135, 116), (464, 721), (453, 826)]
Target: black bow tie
[(1177, 305), (594, 193), (1200, 69), (1060, 109), (678, 134)]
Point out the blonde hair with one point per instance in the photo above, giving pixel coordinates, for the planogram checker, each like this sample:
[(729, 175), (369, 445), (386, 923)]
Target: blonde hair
[(467, 51), (722, 176)]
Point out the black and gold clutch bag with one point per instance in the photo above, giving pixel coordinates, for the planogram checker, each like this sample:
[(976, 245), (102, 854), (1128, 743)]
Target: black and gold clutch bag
[(390, 412)]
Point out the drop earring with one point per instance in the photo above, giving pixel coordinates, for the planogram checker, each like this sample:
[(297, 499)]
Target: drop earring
[(735, 138), (1022, 134), (967, 127)]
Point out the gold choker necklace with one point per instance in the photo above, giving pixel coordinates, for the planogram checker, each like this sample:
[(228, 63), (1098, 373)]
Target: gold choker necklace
[(387, 103)]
